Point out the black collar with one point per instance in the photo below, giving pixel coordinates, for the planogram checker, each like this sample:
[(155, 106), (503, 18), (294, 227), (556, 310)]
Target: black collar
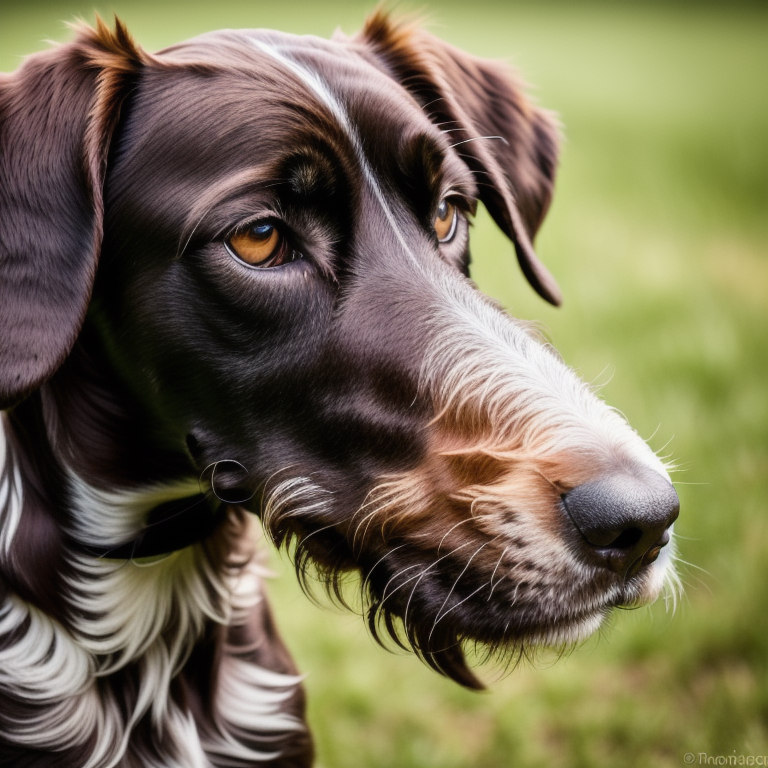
[(171, 526)]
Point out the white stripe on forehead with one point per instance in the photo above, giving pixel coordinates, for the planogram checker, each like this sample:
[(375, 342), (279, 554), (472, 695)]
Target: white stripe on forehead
[(320, 88)]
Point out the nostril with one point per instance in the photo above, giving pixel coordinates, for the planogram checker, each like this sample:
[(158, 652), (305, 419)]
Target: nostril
[(624, 518), (627, 539)]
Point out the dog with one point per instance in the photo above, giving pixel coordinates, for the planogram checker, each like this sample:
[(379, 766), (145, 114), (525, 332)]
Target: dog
[(235, 285)]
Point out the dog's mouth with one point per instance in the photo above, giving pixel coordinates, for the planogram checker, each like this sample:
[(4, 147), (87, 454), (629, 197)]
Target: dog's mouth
[(510, 610), (467, 570)]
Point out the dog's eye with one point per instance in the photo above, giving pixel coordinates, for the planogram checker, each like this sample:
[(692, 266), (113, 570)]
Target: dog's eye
[(445, 222), (261, 245)]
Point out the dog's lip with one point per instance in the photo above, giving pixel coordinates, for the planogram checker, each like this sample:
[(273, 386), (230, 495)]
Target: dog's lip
[(568, 613), (630, 594), (564, 630)]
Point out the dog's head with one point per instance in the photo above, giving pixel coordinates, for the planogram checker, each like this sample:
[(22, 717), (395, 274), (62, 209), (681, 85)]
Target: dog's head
[(251, 252)]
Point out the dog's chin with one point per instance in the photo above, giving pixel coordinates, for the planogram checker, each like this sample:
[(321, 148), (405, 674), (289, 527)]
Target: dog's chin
[(501, 631), (579, 625), (450, 648)]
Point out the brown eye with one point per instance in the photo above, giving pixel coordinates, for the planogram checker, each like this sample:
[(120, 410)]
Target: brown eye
[(261, 245), (446, 220)]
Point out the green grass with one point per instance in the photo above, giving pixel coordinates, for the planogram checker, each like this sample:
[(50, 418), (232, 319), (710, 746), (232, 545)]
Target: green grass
[(659, 238)]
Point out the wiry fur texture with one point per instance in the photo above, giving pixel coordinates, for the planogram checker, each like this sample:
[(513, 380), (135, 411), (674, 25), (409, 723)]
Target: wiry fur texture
[(235, 283)]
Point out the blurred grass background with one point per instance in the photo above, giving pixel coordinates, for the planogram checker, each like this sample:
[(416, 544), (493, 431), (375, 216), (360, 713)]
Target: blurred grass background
[(659, 238)]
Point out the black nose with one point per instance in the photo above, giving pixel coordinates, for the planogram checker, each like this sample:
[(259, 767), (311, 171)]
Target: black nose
[(624, 518)]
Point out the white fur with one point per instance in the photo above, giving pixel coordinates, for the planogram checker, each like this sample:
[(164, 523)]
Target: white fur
[(117, 516), (497, 368), (10, 493)]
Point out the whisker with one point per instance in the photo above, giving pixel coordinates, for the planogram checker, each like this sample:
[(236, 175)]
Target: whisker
[(453, 528), (384, 595), (493, 575), (479, 138), (380, 560), (455, 583)]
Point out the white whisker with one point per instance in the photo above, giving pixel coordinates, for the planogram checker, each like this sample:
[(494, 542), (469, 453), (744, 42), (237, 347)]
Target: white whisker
[(479, 138)]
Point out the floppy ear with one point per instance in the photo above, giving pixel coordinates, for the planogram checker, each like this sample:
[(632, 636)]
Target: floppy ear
[(57, 113), (473, 99)]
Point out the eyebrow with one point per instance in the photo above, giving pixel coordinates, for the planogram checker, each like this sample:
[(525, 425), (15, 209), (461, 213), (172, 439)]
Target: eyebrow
[(225, 201)]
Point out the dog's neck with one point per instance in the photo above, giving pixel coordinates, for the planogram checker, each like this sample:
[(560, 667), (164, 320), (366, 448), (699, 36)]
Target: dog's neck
[(81, 473)]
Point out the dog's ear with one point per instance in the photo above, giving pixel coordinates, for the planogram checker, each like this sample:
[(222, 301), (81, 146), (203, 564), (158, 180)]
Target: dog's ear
[(57, 113), (509, 144)]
